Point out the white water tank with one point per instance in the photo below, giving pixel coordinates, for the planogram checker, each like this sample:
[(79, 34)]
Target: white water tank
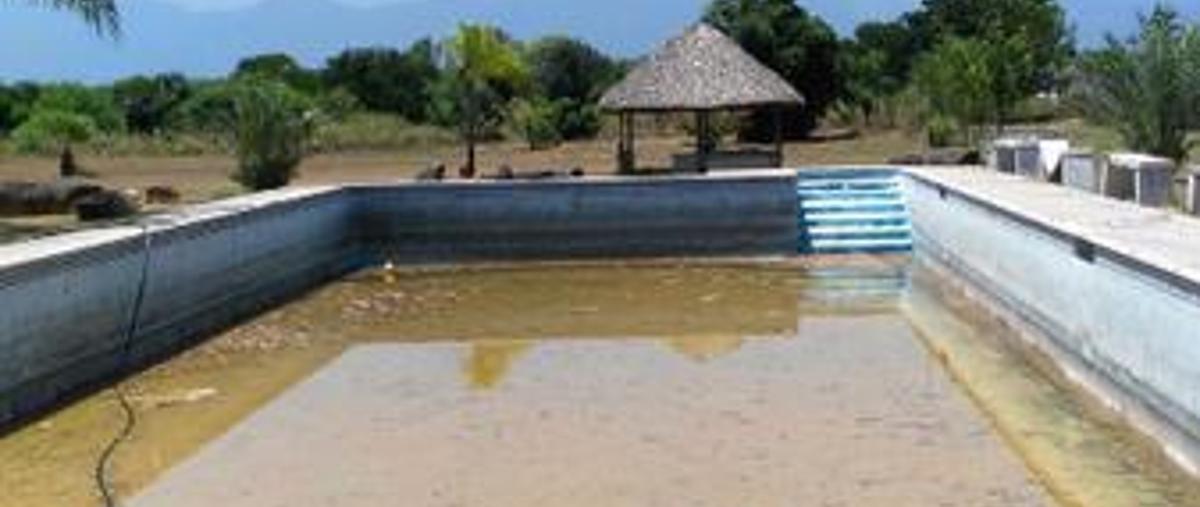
[(1144, 179), (1081, 169)]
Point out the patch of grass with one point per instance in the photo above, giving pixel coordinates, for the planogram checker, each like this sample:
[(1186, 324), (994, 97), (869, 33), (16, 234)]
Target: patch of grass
[(378, 132), (171, 145), (1095, 137)]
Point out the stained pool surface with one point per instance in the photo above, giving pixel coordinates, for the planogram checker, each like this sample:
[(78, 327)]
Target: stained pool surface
[(855, 382)]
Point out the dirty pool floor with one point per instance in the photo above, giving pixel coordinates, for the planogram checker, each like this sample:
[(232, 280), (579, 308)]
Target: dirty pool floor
[(660, 383)]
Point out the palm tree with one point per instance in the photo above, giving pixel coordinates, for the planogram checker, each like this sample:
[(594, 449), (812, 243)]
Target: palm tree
[(479, 58), (101, 15)]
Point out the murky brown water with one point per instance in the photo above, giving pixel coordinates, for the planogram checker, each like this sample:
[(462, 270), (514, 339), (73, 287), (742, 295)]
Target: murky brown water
[(675, 384)]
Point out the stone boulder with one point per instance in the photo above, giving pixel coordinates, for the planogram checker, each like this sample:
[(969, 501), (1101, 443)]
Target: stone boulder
[(22, 198), (106, 205)]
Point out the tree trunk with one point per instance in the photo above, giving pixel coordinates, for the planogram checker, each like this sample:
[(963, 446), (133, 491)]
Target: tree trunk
[(470, 167), (66, 163)]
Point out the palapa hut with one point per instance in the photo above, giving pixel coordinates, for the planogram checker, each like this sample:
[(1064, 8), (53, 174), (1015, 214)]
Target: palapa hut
[(702, 71)]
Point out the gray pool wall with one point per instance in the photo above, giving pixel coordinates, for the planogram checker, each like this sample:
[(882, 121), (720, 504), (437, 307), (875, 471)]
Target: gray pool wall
[(1126, 329), (68, 299), (730, 213)]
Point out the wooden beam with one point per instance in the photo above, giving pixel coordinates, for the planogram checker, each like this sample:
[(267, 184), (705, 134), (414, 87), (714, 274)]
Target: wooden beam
[(621, 149), (631, 131), (777, 112)]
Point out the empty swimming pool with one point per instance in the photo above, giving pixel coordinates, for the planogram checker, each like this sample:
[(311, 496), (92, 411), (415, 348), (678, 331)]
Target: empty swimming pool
[(847, 382)]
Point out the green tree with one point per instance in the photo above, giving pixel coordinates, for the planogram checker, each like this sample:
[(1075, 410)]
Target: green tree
[(48, 130), (537, 119), (892, 48), (799, 46), (93, 103), (957, 80), (567, 68), (865, 77), (271, 133), (147, 101), (1147, 88), (484, 71), (16, 103), (387, 80), (279, 67), (210, 109), (571, 75), (1040, 25), (975, 81)]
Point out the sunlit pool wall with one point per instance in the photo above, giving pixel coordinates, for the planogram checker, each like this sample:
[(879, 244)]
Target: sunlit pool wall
[(1126, 329), (734, 213), (68, 299)]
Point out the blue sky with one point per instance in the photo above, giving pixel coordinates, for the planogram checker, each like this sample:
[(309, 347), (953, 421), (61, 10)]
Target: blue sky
[(207, 37)]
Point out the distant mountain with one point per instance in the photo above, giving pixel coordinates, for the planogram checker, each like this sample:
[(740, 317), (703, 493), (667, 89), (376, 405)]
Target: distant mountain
[(161, 36)]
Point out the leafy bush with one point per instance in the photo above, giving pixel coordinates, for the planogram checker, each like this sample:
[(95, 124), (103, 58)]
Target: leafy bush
[(212, 109), (338, 104), (537, 121), (48, 131), (578, 120), (271, 133), (98, 105), (975, 82), (146, 101), (941, 131), (16, 104), (385, 79)]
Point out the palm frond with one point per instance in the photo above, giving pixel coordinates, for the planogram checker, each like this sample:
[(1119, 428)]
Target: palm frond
[(102, 15)]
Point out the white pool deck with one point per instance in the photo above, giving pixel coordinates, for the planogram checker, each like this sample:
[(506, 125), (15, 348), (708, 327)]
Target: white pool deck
[(1165, 239)]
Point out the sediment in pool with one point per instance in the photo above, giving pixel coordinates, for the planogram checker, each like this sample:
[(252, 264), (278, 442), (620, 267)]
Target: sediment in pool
[(1082, 452), (49, 462), (702, 311)]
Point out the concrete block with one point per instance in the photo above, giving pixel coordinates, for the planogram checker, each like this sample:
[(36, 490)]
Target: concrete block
[(1017, 156), (1082, 170), (1144, 179)]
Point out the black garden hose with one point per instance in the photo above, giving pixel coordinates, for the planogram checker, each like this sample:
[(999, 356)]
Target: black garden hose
[(104, 463)]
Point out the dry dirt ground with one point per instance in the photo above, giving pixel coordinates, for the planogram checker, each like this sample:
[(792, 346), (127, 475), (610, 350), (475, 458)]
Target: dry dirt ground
[(206, 178)]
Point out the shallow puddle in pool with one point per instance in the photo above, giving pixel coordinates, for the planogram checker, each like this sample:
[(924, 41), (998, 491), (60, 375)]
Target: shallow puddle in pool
[(797, 383)]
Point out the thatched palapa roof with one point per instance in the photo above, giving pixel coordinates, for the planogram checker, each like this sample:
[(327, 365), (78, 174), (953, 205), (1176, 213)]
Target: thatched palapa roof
[(702, 69)]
